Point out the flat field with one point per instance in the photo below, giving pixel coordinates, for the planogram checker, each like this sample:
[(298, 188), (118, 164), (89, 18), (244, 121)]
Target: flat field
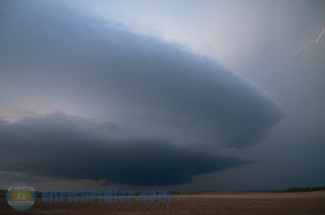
[(221, 203)]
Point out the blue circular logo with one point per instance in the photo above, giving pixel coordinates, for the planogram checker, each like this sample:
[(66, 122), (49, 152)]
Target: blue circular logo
[(20, 196)]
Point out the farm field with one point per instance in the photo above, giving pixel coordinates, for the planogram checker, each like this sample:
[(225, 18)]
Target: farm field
[(223, 203)]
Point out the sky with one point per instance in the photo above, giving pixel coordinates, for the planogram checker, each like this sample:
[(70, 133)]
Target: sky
[(187, 96)]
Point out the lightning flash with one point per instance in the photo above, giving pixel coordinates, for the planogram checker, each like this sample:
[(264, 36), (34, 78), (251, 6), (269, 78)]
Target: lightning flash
[(316, 41)]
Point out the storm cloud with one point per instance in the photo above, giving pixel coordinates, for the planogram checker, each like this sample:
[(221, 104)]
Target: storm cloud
[(63, 58), (159, 98), (58, 146)]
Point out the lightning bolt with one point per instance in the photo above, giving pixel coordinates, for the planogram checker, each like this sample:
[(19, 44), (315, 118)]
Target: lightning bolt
[(316, 41)]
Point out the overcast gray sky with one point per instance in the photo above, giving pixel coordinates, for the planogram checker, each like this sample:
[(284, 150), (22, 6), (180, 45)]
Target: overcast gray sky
[(179, 95)]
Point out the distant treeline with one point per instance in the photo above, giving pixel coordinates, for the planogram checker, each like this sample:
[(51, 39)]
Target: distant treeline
[(304, 189)]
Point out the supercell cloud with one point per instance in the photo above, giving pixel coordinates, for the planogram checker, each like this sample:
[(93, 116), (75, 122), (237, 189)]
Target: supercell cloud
[(57, 146), (156, 100)]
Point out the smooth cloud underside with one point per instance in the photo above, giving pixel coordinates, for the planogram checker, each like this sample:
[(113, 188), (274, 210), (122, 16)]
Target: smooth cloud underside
[(55, 146), (156, 88)]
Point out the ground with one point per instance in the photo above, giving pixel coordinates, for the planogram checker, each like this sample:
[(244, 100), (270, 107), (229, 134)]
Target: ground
[(220, 203)]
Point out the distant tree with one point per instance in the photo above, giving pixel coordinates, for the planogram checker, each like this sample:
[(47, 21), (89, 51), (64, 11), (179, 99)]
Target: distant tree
[(304, 189)]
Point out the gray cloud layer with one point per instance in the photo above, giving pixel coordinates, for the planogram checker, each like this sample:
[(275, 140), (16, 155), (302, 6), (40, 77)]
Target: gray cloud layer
[(54, 57), (58, 146)]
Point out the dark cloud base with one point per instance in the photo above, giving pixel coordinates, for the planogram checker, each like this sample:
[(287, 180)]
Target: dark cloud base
[(53, 146), (156, 89)]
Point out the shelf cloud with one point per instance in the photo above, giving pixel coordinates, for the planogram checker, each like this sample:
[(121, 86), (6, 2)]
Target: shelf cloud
[(58, 146), (156, 99)]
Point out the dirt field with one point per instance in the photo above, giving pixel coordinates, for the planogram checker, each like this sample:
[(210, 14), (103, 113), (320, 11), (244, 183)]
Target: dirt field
[(225, 203)]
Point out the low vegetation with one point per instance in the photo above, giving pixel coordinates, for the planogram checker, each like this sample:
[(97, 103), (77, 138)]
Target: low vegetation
[(304, 189)]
